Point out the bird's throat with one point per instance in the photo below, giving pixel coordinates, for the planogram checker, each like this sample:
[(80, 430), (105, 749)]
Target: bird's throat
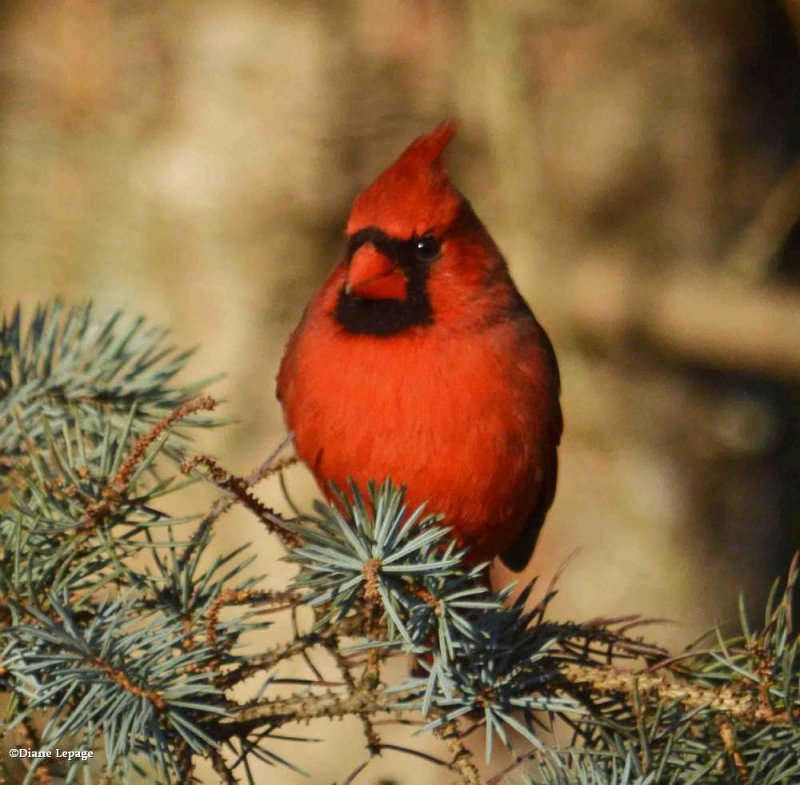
[(384, 317)]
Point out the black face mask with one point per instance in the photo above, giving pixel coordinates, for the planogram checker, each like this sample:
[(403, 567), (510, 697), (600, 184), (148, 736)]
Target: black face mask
[(362, 316)]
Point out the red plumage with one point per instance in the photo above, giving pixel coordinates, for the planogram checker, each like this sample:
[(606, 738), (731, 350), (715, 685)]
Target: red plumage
[(420, 361)]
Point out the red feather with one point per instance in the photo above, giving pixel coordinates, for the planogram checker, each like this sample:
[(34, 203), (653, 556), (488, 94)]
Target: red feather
[(462, 408)]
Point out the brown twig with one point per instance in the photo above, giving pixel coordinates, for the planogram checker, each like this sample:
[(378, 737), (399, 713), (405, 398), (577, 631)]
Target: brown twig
[(121, 678), (355, 772), (370, 734), (112, 493), (186, 762), (495, 779), (29, 737), (221, 768), (269, 659), (742, 706), (226, 597), (310, 707), (463, 761), (122, 478), (726, 734), (239, 489), (373, 614), (267, 467)]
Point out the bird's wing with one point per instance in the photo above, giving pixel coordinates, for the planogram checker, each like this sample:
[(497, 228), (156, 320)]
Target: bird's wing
[(518, 554)]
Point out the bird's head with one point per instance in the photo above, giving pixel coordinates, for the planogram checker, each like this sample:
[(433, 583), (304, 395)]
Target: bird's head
[(415, 249)]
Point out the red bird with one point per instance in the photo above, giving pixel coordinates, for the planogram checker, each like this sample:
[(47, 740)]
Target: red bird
[(420, 361)]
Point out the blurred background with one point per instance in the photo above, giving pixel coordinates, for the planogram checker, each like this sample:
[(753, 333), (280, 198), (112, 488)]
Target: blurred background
[(636, 160)]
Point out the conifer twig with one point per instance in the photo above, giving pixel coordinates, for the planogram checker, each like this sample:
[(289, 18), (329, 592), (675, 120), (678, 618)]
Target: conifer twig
[(462, 761)]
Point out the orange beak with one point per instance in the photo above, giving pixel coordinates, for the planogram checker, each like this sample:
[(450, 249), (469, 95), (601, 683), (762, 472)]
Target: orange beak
[(373, 276)]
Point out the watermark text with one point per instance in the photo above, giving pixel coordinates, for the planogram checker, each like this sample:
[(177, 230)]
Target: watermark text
[(57, 753)]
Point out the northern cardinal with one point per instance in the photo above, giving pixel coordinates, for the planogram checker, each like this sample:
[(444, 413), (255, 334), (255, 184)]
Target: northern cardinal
[(419, 360)]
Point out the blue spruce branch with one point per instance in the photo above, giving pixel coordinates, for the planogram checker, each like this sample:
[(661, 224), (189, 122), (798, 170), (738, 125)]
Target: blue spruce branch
[(123, 628)]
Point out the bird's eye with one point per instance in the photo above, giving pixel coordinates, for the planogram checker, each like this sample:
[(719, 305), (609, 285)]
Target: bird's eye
[(427, 248)]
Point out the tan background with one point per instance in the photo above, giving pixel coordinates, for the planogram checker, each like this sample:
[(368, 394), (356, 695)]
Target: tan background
[(195, 162)]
